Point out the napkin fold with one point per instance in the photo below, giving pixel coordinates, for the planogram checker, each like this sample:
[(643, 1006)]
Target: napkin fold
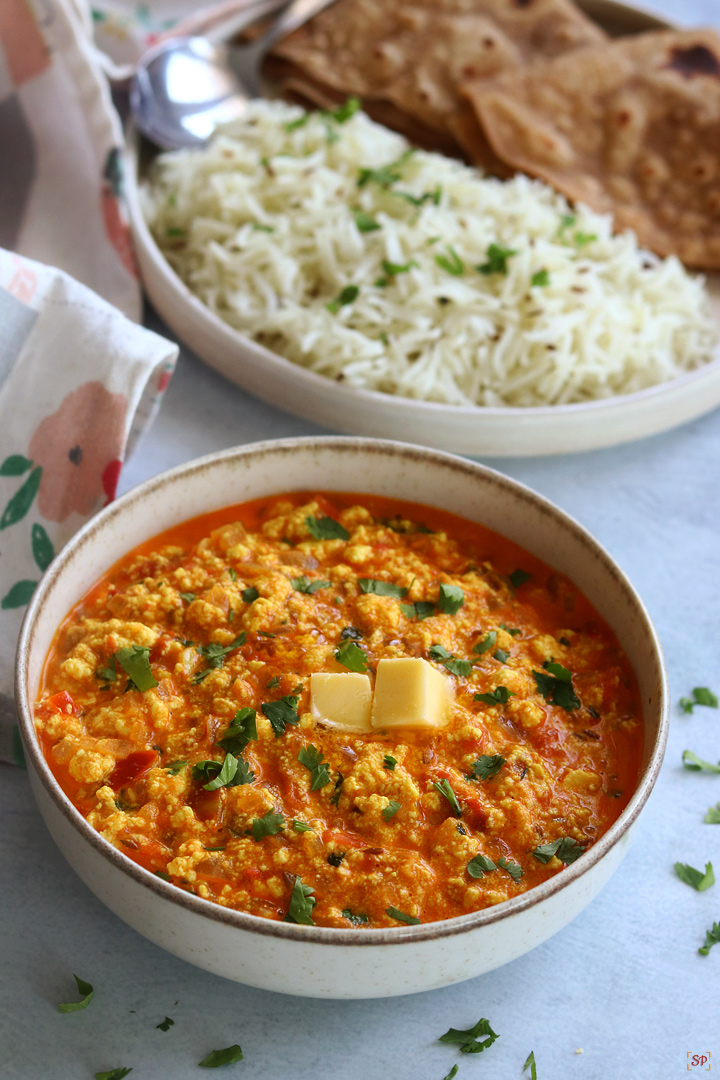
[(79, 383)]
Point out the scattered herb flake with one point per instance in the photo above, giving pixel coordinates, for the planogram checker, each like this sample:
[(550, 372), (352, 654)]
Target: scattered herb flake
[(501, 655), (346, 296), (486, 644), (216, 1058), (345, 111), (365, 222), (451, 262), (421, 609), (515, 871), (695, 878), (356, 918), (242, 728), (166, 1024), (162, 875), (135, 662), (175, 766), (697, 764), (469, 1041), (114, 1074), (420, 200), (499, 696), (301, 827), (555, 685), (713, 815), (511, 630), (233, 573), (352, 657), (250, 594), (391, 810), (540, 278), (386, 175), (273, 684), (461, 668), (281, 712), (257, 227), (450, 599), (497, 257), (188, 597), (389, 762), (305, 585), (87, 992), (394, 913), (302, 903), (487, 766), (326, 528), (335, 798), (518, 578), (565, 848), (312, 759), (531, 1063), (381, 588), (444, 789), (269, 825), (712, 937), (215, 655), (583, 239), (453, 1073), (480, 865)]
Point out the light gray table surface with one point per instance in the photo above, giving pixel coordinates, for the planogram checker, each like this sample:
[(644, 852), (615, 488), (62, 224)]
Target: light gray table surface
[(624, 981)]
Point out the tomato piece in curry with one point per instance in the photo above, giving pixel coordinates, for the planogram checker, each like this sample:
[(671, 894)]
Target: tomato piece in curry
[(175, 713)]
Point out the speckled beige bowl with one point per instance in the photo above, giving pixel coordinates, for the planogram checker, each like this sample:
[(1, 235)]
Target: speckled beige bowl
[(322, 961)]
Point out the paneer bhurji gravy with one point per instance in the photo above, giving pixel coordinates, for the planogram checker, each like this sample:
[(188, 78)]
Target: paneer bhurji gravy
[(341, 710)]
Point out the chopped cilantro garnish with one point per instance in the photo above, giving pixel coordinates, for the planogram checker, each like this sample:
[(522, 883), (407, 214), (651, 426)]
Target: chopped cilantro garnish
[(461, 668), (273, 684), (515, 871), (215, 655), (257, 227), (497, 257), (697, 764), (518, 578), (565, 848), (335, 798), (114, 1074), (305, 585), (235, 772), (451, 262), (175, 766), (712, 937), (302, 903), (300, 826), (566, 222), (583, 239), (312, 759), (352, 657), (450, 599), (531, 1063), (444, 789), (167, 1023), (394, 913), (175, 233), (326, 528), (470, 1041), (420, 200), (108, 673), (555, 685), (389, 762), (421, 609), (501, 655), (540, 278), (487, 766), (250, 594), (221, 847), (381, 588), (695, 878), (233, 573), (386, 174), (391, 810), (87, 992), (365, 222), (242, 728), (162, 875), (216, 1058), (487, 643), (392, 270), (346, 296), (345, 111), (713, 815), (281, 712), (356, 918), (269, 824), (188, 597), (700, 696), (499, 696), (480, 865), (135, 662), (511, 630), (453, 1073)]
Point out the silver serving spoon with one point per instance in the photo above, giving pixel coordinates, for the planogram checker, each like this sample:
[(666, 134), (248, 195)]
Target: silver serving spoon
[(186, 86)]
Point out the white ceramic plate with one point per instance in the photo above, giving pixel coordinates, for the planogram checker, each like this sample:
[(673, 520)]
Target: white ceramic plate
[(317, 961), (490, 432)]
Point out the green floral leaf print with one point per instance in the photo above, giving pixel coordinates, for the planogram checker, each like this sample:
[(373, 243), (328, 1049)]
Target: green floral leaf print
[(19, 595), (22, 500), (42, 547), (15, 465)]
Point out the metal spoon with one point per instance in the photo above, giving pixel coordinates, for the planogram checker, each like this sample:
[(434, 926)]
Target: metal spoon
[(185, 87)]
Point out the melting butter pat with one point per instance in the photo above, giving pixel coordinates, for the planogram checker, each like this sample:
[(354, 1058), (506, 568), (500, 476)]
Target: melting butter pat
[(342, 700), (410, 692)]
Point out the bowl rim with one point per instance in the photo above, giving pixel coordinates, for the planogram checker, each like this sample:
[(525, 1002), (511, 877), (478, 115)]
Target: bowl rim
[(320, 935)]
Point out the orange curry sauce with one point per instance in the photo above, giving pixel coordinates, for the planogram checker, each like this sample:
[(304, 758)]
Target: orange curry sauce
[(555, 757)]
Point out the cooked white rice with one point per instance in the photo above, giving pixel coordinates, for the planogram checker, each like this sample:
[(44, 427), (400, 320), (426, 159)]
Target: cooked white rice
[(263, 227)]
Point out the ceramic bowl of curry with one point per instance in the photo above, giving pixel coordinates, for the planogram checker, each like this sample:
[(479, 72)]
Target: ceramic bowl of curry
[(340, 717)]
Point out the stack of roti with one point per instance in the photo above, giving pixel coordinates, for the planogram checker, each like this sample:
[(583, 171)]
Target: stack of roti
[(630, 126)]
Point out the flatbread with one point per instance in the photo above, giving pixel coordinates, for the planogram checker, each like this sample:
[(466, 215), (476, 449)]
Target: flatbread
[(406, 60), (631, 127)]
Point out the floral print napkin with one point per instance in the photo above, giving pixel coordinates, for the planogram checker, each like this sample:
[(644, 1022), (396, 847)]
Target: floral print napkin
[(79, 382)]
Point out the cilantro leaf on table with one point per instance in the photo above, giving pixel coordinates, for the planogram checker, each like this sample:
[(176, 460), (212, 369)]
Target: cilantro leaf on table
[(114, 1074), (453, 1073), (533, 1067), (306, 585), (555, 685), (713, 815), (281, 713), (381, 588), (700, 696), (166, 1024), (712, 937), (216, 1058), (87, 992), (444, 788), (302, 903), (326, 528), (390, 810), (269, 824), (352, 657), (135, 662), (565, 848), (480, 865), (312, 759), (470, 1041), (242, 728), (697, 764), (486, 766), (499, 696), (215, 655), (486, 644), (696, 879), (450, 599), (395, 913)]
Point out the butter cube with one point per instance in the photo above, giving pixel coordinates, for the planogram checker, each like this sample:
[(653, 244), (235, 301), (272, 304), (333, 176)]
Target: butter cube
[(410, 692), (342, 700)]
